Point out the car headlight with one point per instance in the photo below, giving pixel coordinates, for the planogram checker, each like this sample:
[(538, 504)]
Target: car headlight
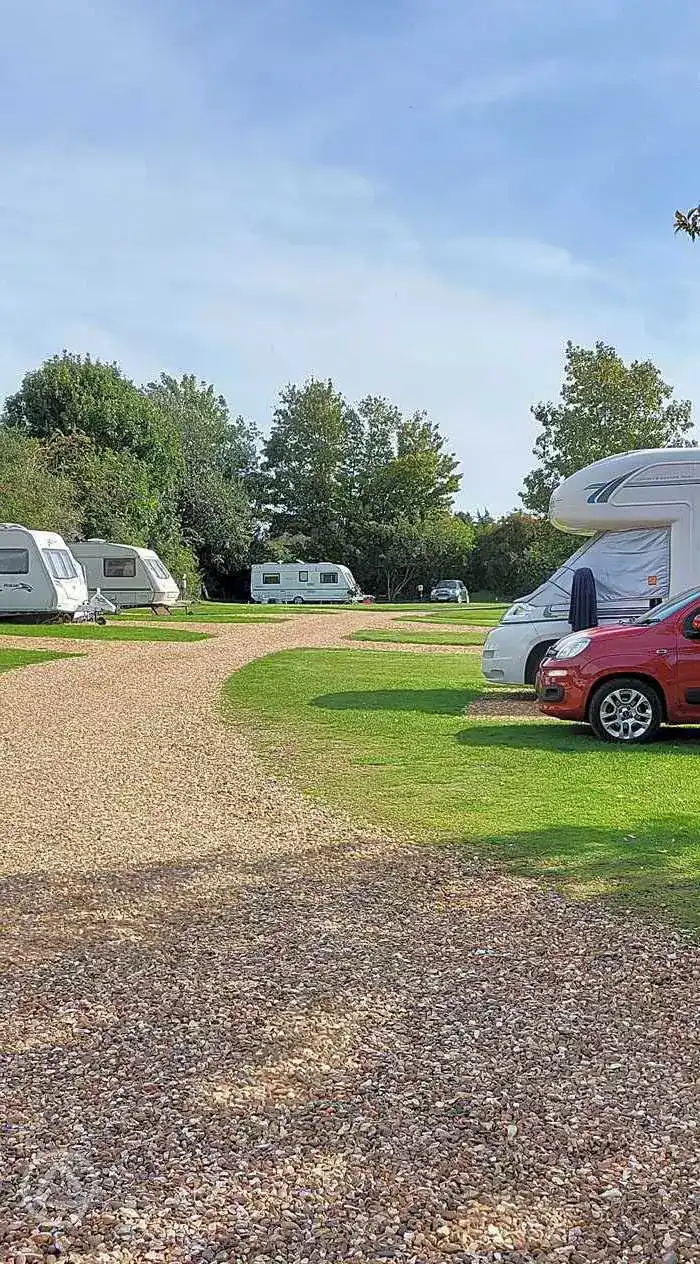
[(570, 646)]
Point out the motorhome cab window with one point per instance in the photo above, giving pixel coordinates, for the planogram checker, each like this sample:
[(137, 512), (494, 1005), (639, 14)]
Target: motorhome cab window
[(60, 563), (329, 577), (271, 579), (14, 561), (119, 567), (303, 577)]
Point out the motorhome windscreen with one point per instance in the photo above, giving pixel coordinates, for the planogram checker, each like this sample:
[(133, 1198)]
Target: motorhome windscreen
[(14, 561), (60, 563), (625, 564)]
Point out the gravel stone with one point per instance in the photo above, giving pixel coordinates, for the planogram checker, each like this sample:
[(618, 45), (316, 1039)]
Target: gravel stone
[(238, 1027)]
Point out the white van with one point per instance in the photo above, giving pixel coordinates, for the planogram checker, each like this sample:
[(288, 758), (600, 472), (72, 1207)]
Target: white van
[(38, 574), (303, 583), (127, 575), (641, 512)]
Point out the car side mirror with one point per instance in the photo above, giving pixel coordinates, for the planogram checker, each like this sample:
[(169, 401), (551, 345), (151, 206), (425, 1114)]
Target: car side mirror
[(693, 626)]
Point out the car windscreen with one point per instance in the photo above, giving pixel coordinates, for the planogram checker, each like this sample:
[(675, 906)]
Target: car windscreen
[(658, 613)]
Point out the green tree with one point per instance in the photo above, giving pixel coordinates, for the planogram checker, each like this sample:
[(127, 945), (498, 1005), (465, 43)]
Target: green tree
[(114, 489), (688, 222), (605, 406), (306, 459), (219, 458), (399, 555), (75, 395), (32, 493), (514, 555)]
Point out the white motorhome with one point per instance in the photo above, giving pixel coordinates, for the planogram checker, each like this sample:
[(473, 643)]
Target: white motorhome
[(642, 512), (39, 577), (303, 583), (126, 575)]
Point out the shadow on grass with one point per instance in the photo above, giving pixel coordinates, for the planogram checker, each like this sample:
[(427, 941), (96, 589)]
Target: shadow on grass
[(654, 869), (569, 738), (426, 701)]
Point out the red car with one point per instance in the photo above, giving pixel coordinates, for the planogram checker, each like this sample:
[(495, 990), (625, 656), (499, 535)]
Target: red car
[(626, 681)]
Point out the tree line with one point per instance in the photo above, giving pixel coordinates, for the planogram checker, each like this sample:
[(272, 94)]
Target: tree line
[(86, 451)]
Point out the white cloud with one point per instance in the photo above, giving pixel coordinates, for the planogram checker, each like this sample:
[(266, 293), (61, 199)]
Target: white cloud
[(503, 85), (272, 273), (217, 251)]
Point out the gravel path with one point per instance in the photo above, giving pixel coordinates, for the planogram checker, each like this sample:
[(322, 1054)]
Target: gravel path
[(237, 1028)]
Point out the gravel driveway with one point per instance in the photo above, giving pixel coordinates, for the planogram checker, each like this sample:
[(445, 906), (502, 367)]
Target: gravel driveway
[(235, 1027)]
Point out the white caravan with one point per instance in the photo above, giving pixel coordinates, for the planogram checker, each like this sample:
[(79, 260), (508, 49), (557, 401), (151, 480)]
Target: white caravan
[(642, 510), (303, 582), (38, 575), (126, 575)]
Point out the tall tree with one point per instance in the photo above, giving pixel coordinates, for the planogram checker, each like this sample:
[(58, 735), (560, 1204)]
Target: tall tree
[(75, 395), (218, 469), (305, 461), (31, 491), (605, 406)]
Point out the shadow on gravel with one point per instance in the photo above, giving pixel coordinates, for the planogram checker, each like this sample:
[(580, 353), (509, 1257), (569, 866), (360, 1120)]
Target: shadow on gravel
[(362, 1050)]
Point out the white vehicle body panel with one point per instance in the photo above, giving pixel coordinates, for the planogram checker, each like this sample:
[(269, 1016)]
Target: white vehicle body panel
[(642, 510), (311, 583), (125, 574), (38, 573)]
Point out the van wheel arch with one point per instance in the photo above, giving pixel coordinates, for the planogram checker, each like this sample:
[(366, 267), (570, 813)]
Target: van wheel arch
[(534, 659)]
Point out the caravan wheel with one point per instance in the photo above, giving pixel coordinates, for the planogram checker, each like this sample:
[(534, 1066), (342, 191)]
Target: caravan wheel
[(298, 601)]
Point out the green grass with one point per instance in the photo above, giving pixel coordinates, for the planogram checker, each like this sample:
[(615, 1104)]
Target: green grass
[(202, 613), (385, 736), (430, 637), (95, 632), (26, 658), (485, 615)]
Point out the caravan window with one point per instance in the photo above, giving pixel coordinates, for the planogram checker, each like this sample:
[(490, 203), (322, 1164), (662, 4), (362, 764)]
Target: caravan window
[(303, 577), (156, 568), (271, 579), (329, 577), (60, 563), (14, 561), (119, 567)]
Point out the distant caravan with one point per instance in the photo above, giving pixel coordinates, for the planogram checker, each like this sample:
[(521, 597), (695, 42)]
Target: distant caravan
[(303, 583), (39, 577), (642, 510), (126, 575)]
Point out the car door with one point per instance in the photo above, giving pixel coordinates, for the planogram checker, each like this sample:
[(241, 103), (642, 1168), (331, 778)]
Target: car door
[(687, 702)]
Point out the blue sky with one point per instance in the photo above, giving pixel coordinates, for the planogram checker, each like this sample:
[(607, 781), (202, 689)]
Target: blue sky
[(417, 198)]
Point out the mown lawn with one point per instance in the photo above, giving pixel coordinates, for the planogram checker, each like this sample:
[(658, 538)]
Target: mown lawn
[(26, 658), (433, 636), (95, 632), (201, 614), (473, 615), (384, 735)]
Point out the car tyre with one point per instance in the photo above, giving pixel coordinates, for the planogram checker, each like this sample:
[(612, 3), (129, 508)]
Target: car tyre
[(626, 710)]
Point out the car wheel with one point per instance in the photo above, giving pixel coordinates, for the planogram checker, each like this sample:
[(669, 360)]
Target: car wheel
[(625, 710)]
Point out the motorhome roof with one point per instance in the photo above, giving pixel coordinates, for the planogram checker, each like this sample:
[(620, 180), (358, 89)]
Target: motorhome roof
[(594, 497)]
